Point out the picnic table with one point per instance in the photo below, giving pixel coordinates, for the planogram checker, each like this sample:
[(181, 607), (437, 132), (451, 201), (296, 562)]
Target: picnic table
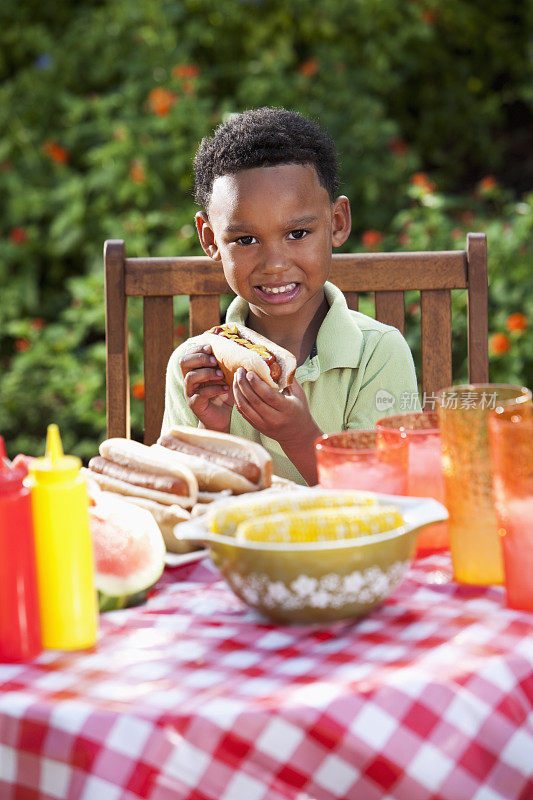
[(193, 696)]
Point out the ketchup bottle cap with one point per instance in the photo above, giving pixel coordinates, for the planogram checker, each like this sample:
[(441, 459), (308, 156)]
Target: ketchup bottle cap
[(10, 479), (54, 466)]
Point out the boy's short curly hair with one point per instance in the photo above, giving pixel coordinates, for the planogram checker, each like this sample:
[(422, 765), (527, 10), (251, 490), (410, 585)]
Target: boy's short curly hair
[(264, 137)]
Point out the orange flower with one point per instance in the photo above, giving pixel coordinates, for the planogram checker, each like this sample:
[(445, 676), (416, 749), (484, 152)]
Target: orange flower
[(137, 390), (487, 184), (457, 233), (398, 146), (54, 151), (137, 171), (429, 16), (37, 324), (22, 344), (516, 322), (161, 100), (309, 68), (371, 239), (180, 330), (186, 71), (499, 344), (18, 235), (422, 182)]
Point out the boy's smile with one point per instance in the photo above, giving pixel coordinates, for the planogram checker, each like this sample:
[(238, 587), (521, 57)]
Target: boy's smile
[(273, 229)]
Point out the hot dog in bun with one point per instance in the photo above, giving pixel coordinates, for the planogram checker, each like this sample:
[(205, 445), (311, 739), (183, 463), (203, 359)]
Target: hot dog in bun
[(134, 469), (236, 346), (218, 460)]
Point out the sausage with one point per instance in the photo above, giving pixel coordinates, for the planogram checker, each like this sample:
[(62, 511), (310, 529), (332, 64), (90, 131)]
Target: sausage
[(275, 369), (161, 483), (247, 469)]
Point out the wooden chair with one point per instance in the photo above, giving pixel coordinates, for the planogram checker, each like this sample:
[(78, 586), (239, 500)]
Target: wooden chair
[(389, 275)]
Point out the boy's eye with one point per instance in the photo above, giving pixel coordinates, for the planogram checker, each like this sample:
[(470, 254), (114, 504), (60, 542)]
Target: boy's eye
[(299, 233), (246, 240)]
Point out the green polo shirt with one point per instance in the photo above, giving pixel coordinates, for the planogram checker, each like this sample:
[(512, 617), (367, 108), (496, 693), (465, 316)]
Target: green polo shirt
[(360, 370)]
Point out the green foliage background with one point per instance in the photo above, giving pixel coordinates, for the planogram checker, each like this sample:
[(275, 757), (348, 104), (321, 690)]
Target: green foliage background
[(103, 103)]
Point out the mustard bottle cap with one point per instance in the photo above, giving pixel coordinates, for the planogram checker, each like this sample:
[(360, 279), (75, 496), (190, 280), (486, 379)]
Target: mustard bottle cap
[(55, 466)]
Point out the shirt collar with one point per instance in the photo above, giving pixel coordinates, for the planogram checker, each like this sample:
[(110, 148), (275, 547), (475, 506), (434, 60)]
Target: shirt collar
[(339, 340)]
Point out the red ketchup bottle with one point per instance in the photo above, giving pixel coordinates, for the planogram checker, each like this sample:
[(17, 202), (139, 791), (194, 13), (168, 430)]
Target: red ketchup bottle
[(20, 627)]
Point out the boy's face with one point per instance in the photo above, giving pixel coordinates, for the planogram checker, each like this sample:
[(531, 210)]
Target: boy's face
[(273, 229)]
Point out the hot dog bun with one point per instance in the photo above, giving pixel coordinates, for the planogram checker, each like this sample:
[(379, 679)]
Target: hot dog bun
[(213, 476), (167, 517), (122, 462), (231, 355)]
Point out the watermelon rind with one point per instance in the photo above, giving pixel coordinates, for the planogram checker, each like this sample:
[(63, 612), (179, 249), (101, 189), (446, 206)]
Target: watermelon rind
[(108, 602), (131, 532)]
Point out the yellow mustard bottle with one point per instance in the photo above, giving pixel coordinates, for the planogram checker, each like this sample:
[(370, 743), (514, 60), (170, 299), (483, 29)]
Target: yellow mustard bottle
[(65, 567)]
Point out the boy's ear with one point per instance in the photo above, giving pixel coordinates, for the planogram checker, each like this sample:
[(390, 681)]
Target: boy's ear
[(207, 236), (341, 219)]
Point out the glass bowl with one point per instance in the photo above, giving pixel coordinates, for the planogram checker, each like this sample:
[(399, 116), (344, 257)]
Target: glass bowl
[(324, 581)]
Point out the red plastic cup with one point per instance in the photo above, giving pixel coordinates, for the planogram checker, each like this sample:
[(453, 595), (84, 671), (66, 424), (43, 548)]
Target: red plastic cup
[(424, 467), (356, 459), (511, 452)]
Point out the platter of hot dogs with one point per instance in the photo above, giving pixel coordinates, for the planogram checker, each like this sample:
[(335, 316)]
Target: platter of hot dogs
[(176, 478)]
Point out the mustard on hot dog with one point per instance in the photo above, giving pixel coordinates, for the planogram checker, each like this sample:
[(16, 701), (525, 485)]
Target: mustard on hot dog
[(235, 345)]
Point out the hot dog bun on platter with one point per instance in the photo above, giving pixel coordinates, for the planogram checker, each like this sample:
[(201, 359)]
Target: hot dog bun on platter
[(219, 461), (235, 346)]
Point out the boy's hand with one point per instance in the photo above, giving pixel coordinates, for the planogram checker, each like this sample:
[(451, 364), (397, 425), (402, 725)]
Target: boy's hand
[(282, 416), (207, 395)]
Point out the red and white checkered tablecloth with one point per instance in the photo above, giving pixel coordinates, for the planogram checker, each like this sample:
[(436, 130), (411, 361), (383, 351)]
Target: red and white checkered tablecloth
[(194, 697)]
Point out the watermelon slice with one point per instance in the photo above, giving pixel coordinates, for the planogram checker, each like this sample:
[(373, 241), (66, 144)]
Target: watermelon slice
[(129, 551)]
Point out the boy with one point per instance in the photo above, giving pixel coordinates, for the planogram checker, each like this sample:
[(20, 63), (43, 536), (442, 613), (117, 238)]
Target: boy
[(267, 184)]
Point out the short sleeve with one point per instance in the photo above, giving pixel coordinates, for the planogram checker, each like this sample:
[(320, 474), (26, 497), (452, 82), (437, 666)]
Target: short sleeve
[(387, 382)]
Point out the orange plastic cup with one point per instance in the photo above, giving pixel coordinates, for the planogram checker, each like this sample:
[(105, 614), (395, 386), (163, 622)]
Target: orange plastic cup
[(424, 467), (474, 541), (511, 450), (357, 459)]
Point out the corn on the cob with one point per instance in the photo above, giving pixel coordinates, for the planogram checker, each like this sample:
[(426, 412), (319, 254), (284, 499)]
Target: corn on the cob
[(320, 524), (226, 519)]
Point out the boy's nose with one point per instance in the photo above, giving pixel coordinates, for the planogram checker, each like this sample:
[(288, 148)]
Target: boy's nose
[(274, 260)]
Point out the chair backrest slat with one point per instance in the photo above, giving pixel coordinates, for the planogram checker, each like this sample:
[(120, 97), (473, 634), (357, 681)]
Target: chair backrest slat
[(158, 335), (375, 272), (116, 332), (173, 276), (204, 313), (352, 300), (390, 309), (388, 275), (436, 340), (478, 343)]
